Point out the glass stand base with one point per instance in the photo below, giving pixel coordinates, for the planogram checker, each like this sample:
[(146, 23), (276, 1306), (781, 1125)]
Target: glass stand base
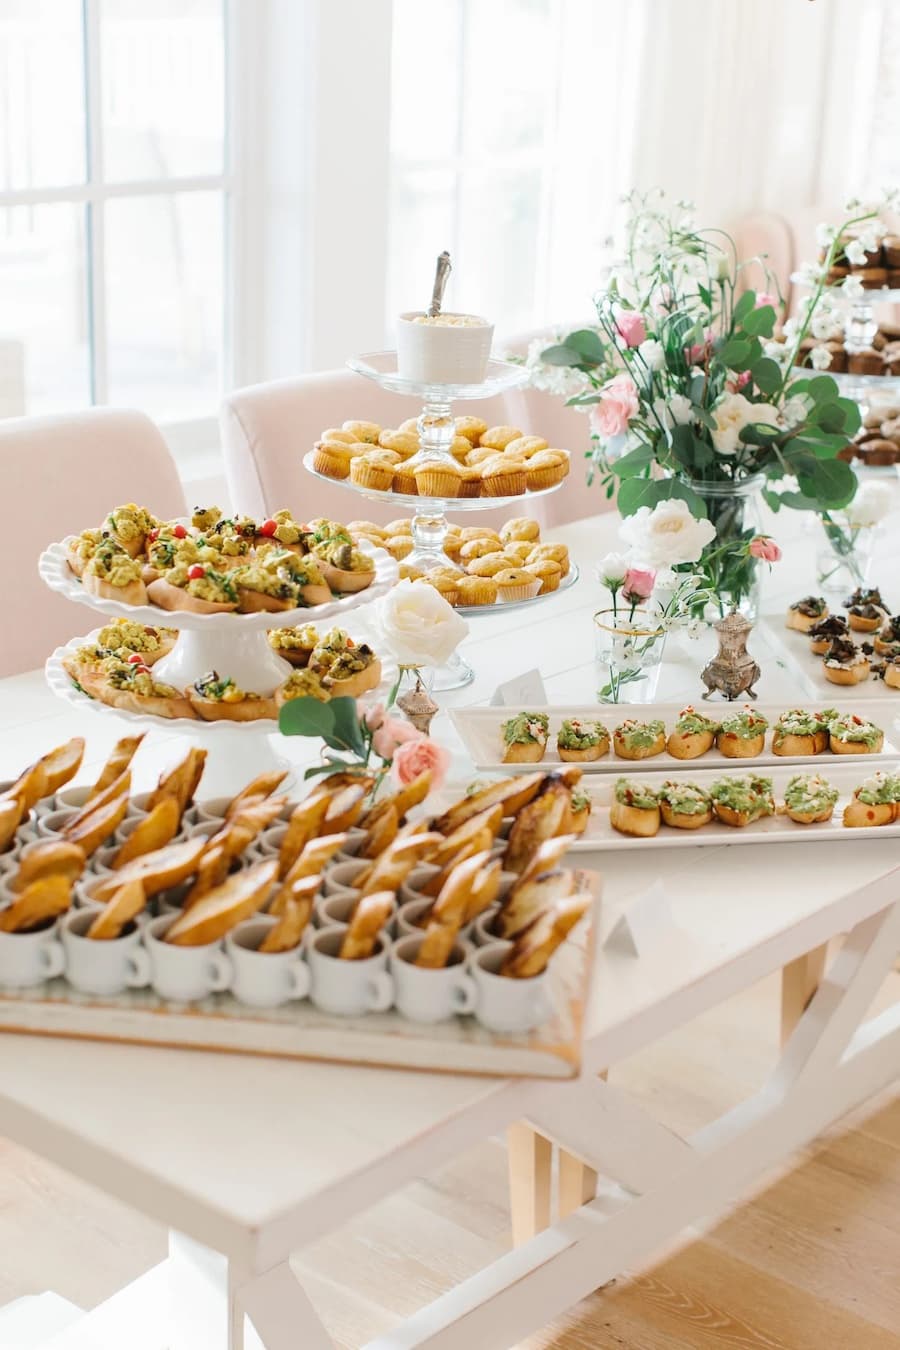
[(456, 674)]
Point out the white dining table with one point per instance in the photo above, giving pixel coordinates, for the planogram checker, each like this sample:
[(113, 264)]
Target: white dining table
[(247, 1159)]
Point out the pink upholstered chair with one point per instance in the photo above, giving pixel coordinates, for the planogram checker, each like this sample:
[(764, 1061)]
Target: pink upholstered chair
[(60, 475)]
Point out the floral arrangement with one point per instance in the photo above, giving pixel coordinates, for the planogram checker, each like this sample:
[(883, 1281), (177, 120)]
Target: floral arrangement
[(418, 626), (692, 398)]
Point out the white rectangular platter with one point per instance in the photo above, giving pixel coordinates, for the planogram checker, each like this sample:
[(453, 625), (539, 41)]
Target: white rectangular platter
[(600, 837), (480, 729), (299, 1031), (793, 647)]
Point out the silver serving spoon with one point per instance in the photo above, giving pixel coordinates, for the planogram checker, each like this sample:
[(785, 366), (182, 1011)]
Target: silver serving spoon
[(441, 273)]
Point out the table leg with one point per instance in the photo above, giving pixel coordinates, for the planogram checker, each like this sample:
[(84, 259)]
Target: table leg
[(530, 1161), (577, 1181), (799, 981)]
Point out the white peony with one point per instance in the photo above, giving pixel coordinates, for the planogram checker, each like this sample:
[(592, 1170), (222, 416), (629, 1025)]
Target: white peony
[(667, 535), (820, 358), (873, 501), (610, 571), (652, 354), (418, 626), (682, 409), (732, 413)]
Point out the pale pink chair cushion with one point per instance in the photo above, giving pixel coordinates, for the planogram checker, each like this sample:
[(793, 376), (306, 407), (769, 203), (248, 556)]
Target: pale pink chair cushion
[(61, 475)]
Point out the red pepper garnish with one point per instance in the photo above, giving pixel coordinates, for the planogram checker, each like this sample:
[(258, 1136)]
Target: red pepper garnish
[(268, 527), (179, 532), (196, 571), (153, 536), (135, 659)]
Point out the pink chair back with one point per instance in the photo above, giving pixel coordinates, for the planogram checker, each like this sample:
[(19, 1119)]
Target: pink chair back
[(268, 428), (61, 475)]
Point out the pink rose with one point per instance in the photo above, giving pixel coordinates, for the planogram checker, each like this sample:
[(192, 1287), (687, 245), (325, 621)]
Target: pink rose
[(736, 385), (697, 354), (630, 327), (417, 757), (764, 298), (375, 716), (638, 584), (618, 404), (391, 734), (764, 547)]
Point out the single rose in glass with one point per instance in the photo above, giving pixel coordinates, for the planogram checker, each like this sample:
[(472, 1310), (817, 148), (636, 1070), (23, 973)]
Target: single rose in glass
[(638, 585), (418, 626)]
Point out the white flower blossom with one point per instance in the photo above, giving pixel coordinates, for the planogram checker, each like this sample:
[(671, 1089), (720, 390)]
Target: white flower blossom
[(732, 413), (873, 501), (855, 253), (826, 326), (667, 535), (825, 234), (810, 273), (418, 626), (820, 358), (796, 409), (681, 409), (852, 288), (610, 571), (777, 351), (791, 329), (652, 354)]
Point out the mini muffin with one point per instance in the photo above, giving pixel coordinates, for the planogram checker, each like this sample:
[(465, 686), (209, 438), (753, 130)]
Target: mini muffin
[(460, 449), (470, 427), (338, 434), (446, 586), (890, 246), (476, 548), (469, 481), (503, 476), (405, 443), (374, 470), (546, 469), (498, 438), (526, 446), (866, 362), (411, 424), (872, 278), (405, 480), (518, 552), (402, 525), (479, 532), (476, 591), (438, 478), (488, 566), (399, 546), (480, 455), (514, 583), (879, 452), (364, 431), (520, 528), (557, 553), (366, 527), (408, 573), (332, 458), (548, 573), (452, 546)]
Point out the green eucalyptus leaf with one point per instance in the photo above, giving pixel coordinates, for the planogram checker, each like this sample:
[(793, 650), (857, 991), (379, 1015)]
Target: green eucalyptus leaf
[(766, 375), (560, 355), (735, 353), (822, 389), (761, 322), (744, 307), (306, 717), (637, 492), (346, 724), (588, 345), (635, 462), (831, 482)]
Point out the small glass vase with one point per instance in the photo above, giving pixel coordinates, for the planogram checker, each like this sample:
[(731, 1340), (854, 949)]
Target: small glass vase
[(629, 651), (735, 508), (844, 556)]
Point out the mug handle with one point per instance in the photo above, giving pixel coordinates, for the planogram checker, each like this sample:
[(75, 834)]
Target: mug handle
[(139, 969), (465, 994), (381, 991), (219, 972), (53, 958), (298, 979)]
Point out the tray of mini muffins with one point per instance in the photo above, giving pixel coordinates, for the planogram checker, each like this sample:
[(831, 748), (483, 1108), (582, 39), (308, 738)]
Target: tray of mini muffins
[(484, 463), (855, 644)]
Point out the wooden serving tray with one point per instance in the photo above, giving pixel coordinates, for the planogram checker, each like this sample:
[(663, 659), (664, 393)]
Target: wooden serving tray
[(299, 1031)]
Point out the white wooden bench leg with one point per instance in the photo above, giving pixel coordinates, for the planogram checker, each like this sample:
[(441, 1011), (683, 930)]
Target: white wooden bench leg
[(281, 1313), (799, 981)]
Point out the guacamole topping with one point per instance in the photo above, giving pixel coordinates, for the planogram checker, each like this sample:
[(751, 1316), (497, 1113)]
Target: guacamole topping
[(851, 728), (580, 801), (526, 729), (798, 722), (688, 799), (879, 789), (631, 792), (745, 725), (692, 723), (809, 792), (640, 735), (751, 795), (577, 735)]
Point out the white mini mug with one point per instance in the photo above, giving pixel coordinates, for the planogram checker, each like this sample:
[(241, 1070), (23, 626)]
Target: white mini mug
[(102, 966), (184, 974), (348, 988), (74, 798), (505, 1004), (264, 979), (336, 911), (30, 958), (338, 878), (425, 995)]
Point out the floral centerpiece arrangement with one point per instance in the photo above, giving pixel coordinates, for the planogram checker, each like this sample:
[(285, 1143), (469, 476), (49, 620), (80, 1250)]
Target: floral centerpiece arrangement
[(692, 398)]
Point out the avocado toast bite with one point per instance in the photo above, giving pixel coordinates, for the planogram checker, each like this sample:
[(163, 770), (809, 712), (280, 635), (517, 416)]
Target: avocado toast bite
[(809, 799), (742, 735), (525, 738), (852, 735), (875, 802), (635, 809), (580, 741), (684, 806), (639, 740), (692, 735), (739, 801), (798, 732)]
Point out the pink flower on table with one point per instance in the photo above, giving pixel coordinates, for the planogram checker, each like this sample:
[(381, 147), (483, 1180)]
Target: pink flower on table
[(374, 716), (638, 584), (697, 353), (630, 327), (734, 386), (618, 404), (419, 756), (765, 298), (764, 547), (391, 734)]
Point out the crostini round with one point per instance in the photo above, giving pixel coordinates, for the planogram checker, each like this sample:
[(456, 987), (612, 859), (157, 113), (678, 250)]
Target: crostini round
[(740, 801), (134, 690), (823, 633), (798, 734), (179, 597), (865, 618), (639, 740), (852, 735), (580, 742), (805, 613), (809, 799), (692, 735), (875, 802), (132, 592), (525, 738), (684, 806), (634, 810), (742, 735), (892, 674), (345, 568), (837, 672), (354, 684), (221, 700)]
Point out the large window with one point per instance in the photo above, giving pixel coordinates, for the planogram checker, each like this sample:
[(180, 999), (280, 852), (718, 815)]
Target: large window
[(113, 205)]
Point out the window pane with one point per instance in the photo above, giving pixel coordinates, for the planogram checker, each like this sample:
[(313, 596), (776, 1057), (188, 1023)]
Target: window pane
[(164, 302), (163, 67), (44, 317), (510, 78), (421, 224), (498, 249), (42, 134), (425, 59)]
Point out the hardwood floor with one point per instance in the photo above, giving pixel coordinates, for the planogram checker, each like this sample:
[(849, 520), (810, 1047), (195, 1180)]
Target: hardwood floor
[(812, 1262)]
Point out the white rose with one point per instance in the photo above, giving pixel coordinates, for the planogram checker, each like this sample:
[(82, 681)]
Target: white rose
[(820, 358), (610, 571), (418, 626), (873, 501), (682, 409), (652, 354), (667, 535)]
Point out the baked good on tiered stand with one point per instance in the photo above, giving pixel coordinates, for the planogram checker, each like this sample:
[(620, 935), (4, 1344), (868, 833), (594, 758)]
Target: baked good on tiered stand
[(235, 645), (439, 484)]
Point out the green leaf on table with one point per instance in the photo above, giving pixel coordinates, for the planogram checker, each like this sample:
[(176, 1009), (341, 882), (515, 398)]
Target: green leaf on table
[(735, 353), (637, 492), (744, 307), (760, 322), (346, 724), (831, 482), (588, 345), (306, 717), (766, 375)]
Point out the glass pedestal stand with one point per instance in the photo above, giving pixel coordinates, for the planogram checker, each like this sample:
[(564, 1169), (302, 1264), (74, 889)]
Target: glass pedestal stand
[(860, 330)]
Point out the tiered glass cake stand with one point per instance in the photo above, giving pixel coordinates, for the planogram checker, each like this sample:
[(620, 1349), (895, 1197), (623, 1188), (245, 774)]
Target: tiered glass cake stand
[(436, 432), (860, 328), (232, 644)]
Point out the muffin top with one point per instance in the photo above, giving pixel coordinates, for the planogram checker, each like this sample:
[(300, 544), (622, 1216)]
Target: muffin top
[(520, 528), (513, 576), (498, 438)]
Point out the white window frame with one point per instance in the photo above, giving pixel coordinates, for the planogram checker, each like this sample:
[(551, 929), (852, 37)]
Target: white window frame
[(188, 438)]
